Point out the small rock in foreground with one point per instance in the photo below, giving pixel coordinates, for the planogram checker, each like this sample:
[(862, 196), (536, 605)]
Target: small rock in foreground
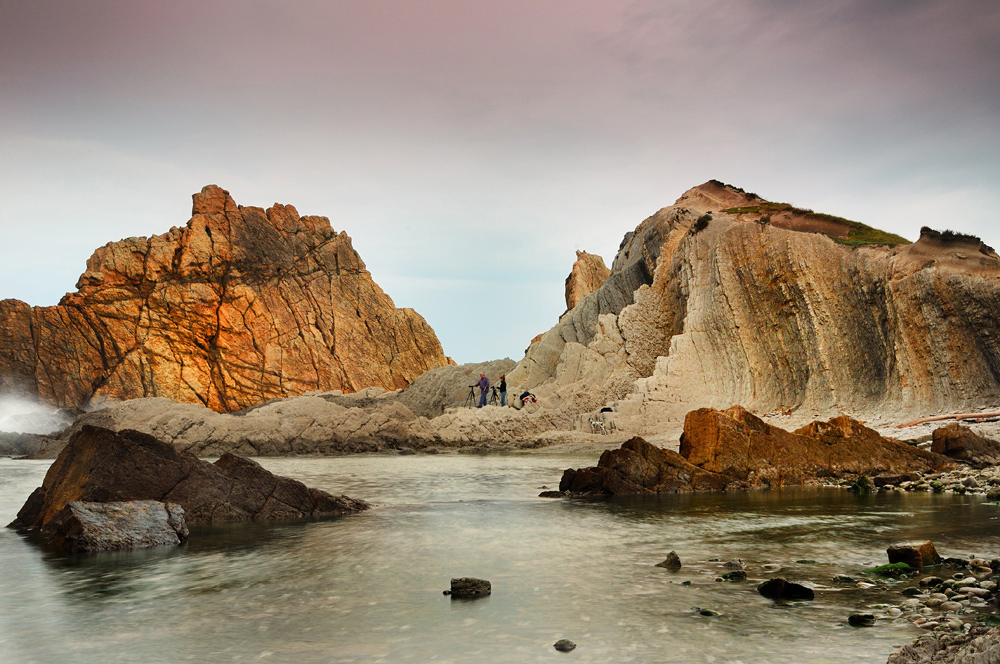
[(672, 563), (564, 645), (467, 587), (778, 588), (861, 620)]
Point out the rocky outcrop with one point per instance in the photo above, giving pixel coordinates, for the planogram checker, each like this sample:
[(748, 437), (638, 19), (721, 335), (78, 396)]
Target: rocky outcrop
[(21, 444), (914, 554), (588, 274), (734, 449), (980, 645), (715, 301), (240, 306), (638, 468), (84, 527), (734, 442), (962, 443), (102, 466)]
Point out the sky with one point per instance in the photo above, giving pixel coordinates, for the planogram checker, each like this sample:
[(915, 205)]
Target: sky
[(469, 148)]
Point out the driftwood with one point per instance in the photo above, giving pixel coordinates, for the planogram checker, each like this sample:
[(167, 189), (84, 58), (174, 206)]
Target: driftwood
[(956, 416)]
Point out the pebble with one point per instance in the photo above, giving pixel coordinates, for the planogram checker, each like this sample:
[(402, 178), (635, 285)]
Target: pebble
[(564, 645), (951, 606), (894, 611)]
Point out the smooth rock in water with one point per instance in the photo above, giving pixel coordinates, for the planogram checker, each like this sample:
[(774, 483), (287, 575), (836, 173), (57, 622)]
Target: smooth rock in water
[(911, 592), (843, 578), (891, 571), (735, 575), (734, 564), (861, 620), (914, 554), (930, 581), (778, 588), (468, 587), (116, 526), (672, 563), (950, 606), (564, 645)]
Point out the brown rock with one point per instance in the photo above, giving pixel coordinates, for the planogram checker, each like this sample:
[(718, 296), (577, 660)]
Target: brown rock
[(640, 468), (736, 443), (102, 466), (240, 306), (895, 480), (914, 554), (588, 274), (959, 442)]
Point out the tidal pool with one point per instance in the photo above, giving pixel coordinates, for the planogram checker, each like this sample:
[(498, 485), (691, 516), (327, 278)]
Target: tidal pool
[(368, 588)]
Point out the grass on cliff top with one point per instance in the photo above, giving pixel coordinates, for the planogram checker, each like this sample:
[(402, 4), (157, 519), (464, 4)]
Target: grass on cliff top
[(858, 235)]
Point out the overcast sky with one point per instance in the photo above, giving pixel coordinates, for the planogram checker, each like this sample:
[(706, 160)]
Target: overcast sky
[(469, 148)]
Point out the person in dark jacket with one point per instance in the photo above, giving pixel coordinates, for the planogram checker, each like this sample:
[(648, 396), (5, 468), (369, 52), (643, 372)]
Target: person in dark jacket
[(484, 388), (503, 389)]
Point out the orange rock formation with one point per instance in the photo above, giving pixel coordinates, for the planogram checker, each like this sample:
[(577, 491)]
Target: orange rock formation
[(240, 306)]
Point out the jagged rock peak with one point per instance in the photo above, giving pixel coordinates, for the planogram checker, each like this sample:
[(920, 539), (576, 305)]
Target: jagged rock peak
[(239, 306), (588, 274)]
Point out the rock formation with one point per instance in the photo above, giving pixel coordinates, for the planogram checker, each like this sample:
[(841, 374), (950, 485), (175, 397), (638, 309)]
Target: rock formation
[(588, 274), (640, 468), (102, 466), (240, 306), (724, 298), (734, 442), (734, 449), (959, 442)]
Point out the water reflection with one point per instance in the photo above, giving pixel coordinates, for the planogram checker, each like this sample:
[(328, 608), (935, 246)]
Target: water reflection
[(368, 588)]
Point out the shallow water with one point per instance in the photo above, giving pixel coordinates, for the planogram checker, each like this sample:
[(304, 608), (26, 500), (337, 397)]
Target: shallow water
[(367, 588)]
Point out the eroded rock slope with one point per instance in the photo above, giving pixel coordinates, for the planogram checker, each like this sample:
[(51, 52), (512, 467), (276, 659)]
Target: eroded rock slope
[(240, 306), (710, 303)]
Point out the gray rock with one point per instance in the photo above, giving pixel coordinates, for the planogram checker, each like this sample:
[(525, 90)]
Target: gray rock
[(468, 587), (564, 645), (84, 527)]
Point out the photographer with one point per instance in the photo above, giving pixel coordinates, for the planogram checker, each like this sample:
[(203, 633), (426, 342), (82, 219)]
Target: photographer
[(484, 388)]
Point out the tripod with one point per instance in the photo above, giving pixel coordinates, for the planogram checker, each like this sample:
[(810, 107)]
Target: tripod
[(494, 396), (471, 400)]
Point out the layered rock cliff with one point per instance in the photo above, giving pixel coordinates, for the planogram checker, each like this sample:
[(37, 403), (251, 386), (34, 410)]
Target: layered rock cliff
[(240, 306), (713, 302)]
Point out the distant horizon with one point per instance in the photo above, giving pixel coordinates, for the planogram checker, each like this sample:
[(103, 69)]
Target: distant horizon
[(470, 149)]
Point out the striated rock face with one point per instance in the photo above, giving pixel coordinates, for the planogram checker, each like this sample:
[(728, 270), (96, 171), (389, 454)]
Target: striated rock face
[(712, 302), (102, 466), (980, 645), (240, 306), (736, 443), (589, 273)]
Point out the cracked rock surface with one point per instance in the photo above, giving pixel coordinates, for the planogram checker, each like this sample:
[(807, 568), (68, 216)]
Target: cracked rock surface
[(240, 306)]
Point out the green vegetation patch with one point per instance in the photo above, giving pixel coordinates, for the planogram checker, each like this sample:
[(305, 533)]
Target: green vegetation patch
[(890, 571), (859, 234)]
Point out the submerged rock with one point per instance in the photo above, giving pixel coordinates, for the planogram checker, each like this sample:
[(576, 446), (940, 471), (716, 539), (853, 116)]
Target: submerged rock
[(891, 571), (781, 589), (136, 524), (861, 620), (99, 465), (467, 587), (672, 562)]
